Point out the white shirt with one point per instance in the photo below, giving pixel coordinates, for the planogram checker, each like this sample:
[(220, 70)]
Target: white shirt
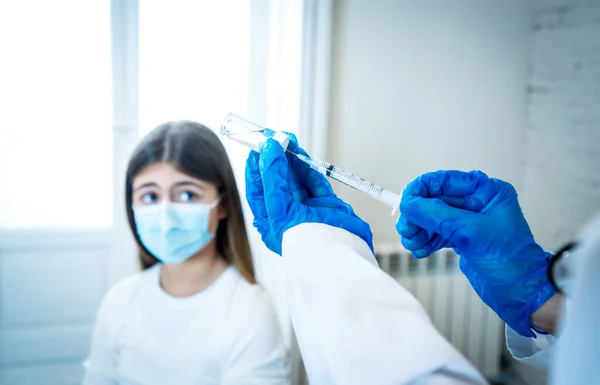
[(226, 334), (354, 323)]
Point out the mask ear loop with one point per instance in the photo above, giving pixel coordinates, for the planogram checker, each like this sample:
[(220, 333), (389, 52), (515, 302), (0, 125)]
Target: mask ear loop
[(212, 205), (215, 203)]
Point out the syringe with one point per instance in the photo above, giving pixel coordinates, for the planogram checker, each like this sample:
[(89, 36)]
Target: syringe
[(252, 135), (385, 196)]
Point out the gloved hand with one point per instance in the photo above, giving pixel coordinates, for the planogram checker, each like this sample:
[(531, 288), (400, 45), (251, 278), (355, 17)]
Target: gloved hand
[(481, 219), (283, 192)]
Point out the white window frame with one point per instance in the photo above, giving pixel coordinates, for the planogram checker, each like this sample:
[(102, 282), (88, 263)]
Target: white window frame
[(125, 67), (124, 56)]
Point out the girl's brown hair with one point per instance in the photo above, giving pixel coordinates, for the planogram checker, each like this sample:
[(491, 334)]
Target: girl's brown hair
[(196, 151)]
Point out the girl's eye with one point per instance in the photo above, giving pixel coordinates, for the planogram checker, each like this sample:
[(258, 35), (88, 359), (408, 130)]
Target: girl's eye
[(149, 198), (187, 196)]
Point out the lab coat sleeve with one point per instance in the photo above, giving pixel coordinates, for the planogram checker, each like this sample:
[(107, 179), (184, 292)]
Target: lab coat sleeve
[(536, 352), (354, 323), (254, 353)]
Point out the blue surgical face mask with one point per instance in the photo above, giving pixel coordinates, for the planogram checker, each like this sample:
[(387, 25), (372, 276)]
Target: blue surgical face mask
[(173, 232)]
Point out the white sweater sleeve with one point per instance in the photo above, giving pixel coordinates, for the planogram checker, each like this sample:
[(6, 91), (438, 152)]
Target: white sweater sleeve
[(354, 323), (100, 366), (255, 353)]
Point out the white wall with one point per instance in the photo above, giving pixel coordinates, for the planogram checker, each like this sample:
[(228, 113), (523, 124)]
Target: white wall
[(562, 182), (562, 178), (51, 285), (420, 86)]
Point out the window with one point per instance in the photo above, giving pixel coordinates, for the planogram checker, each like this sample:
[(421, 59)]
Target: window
[(55, 120), (194, 64), (194, 60)]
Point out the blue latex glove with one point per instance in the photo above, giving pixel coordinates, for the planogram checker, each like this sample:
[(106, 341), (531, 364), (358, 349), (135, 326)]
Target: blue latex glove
[(283, 192), (481, 219)]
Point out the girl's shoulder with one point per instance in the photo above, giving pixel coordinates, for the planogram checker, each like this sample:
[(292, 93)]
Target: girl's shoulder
[(113, 310), (251, 316), (124, 291), (246, 295)]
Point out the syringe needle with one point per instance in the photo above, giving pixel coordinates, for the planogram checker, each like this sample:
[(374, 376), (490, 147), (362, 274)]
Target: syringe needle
[(314, 164), (385, 196)]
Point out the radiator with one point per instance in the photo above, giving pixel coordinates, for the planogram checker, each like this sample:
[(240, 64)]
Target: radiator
[(454, 307)]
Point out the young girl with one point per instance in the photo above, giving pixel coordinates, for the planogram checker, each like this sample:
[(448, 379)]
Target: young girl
[(194, 314)]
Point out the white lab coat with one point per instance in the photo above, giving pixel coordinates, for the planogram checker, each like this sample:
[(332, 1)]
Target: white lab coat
[(577, 357), (536, 352), (354, 323), (572, 358)]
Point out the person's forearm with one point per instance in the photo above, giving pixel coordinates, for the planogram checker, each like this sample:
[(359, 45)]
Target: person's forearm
[(546, 317)]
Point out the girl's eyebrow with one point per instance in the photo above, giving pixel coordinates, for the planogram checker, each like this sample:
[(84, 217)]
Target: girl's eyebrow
[(148, 184), (190, 183)]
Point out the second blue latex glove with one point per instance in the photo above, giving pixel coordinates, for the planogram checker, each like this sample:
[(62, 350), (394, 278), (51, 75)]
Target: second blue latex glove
[(481, 219), (283, 192)]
